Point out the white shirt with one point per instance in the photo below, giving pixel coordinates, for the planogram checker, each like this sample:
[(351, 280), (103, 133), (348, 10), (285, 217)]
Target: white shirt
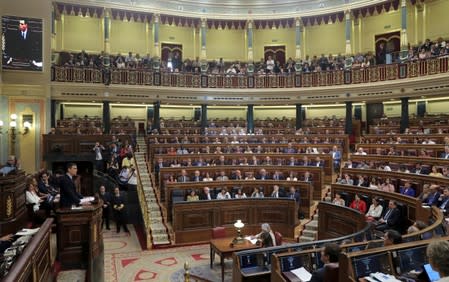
[(220, 196), (375, 211), (33, 198)]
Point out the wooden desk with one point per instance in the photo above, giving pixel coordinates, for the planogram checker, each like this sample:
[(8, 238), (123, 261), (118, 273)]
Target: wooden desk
[(224, 248)]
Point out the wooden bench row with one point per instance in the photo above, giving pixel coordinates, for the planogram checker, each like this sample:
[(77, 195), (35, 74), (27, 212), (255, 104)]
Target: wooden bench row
[(316, 173), (181, 190)]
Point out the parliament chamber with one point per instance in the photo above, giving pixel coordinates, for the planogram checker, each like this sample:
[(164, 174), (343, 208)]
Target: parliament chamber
[(258, 132)]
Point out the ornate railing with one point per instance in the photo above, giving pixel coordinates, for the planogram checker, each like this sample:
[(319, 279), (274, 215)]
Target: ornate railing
[(314, 79)]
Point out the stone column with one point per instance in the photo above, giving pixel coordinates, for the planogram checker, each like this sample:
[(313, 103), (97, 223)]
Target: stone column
[(157, 51), (404, 40), (203, 29), (298, 116), (106, 117), (404, 114), (250, 119), (348, 26), (249, 40), (348, 120), (53, 113), (157, 115), (298, 36), (106, 30), (203, 117)]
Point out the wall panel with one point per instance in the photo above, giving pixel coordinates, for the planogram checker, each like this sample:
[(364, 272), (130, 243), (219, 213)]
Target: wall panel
[(272, 37), (325, 39), (383, 23), (129, 36), (226, 44), (179, 35), (82, 33)]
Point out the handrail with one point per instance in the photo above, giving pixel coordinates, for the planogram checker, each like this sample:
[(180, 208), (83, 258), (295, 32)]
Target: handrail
[(143, 77), (143, 206)]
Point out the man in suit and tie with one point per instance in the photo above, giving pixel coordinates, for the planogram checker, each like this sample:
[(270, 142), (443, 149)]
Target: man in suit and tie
[(222, 176), (237, 175), (293, 194), (262, 175), (183, 177), (391, 218), (445, 155), (407, 190), (197, 176), (292, 161), (433, 196), (318, 162), (206, 195), (278, 175), (444, 202), (276, 192), (69, 196)]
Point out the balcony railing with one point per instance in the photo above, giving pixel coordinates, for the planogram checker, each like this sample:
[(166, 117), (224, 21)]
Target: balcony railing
[(143, 77)]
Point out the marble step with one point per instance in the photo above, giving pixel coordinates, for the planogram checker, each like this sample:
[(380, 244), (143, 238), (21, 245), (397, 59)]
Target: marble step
[(310, 233), (313, 225), (306, 239)]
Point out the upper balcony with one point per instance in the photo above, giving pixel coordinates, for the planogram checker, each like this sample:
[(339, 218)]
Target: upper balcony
[(427, 78)]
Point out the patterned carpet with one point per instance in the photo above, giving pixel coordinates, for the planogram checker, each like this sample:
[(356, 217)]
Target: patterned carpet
[(125, 261)]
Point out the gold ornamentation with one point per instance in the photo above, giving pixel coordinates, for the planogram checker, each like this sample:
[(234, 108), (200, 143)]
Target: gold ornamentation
[(9, 206)]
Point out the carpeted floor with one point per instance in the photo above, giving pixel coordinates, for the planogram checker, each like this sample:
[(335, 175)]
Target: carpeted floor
[(125, 261)]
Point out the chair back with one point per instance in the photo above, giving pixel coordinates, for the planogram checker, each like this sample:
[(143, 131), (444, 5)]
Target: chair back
[(278, 237), (218, 232), (331, 271)]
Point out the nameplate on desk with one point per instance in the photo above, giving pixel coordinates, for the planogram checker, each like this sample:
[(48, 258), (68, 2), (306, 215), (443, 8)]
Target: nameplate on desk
[(77, 208)]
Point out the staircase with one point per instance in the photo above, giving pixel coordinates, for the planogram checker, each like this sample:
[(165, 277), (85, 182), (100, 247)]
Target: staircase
[(310, 232), (156, 225)]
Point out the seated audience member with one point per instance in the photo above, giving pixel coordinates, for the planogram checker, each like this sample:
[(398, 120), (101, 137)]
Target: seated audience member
[(44, 184), (237, 175), (197, 176), (425, 192), (346, 180), (407, 190), (438, 254), (5, 242), (387, 186), (10, 166), (392, 237), (293, 194), (375, 210), (266, 236), (329, 255), (432, 196), (391, 219), (416, 227), (222, 176), (256, 193), (276, 192), (38, 204), (436, 172), (206, 195), (361, 181), (250, 176), (183, 177), (192, 196), (262, 175), (224, 194), (307, 177), (443, 202), (292, 176), (240, 194), (338, 200), (358, 204), (207, 178)]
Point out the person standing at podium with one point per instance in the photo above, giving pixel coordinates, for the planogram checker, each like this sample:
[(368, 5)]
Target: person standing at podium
[(69, 196)]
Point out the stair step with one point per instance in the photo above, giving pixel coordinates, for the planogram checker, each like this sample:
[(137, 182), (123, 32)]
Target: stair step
[(306, 239), (313, 225), (310, 233)]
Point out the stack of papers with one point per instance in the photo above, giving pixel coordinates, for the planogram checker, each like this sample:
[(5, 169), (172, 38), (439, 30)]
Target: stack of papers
[(87, 199), (251, 239), (302, 274), (27, 231)]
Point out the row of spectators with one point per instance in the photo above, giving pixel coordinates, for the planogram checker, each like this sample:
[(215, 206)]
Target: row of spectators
[(174, 61)]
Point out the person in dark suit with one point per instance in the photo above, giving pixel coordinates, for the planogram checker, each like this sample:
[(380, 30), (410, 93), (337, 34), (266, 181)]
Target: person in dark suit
[(197, 176), (391, 218), (293, 194), (23, 45), (433, 196), (407, 190), (69, 196), (118, 206), (443, 204), (206, 195), (106, 197), (329, 255), (381, 54)]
